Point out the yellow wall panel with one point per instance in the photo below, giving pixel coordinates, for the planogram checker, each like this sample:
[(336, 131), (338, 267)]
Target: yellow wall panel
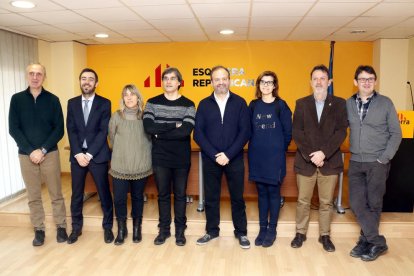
[(118, 65)]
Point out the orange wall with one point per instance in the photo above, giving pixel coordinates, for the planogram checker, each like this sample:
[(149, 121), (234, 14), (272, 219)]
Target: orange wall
[(118, 65)]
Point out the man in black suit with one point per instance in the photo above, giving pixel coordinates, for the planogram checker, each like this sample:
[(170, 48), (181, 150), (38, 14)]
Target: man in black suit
[(87, 126)]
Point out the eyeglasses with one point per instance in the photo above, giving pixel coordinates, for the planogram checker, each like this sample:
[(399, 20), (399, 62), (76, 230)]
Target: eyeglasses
[(169, 79), (266, 83), (365, 80)]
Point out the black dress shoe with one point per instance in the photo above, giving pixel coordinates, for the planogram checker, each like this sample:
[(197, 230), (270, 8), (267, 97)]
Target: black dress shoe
[(298, 240), (61, 235), (373, 252), (327, 243), (73, 237), (360, 249), (39, 238), (108, 236), (160, 239)]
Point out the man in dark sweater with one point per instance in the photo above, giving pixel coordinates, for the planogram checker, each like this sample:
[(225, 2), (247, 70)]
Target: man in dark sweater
[(169, 119), (36, 124), (222, 129)]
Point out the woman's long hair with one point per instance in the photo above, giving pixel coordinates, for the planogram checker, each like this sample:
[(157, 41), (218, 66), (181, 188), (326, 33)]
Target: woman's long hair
[(134, 90)]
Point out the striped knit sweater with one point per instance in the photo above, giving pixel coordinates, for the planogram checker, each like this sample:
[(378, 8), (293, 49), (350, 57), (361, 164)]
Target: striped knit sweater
[(171, 146)]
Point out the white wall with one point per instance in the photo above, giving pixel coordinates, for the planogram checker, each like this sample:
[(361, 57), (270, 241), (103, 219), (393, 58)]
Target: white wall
[(391, 61), (410, 77), (16, 52)]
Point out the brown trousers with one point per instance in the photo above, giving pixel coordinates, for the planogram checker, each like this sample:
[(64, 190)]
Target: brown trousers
[(326, 189), (33, 176)]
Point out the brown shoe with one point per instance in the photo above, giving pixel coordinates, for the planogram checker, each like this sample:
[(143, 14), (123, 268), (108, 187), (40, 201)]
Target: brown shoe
[(327, 243), (298, 240)]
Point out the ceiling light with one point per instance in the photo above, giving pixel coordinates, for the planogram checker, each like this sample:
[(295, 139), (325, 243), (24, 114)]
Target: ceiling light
[(23, 4), (226, 32), (358, 31), (101, 35)]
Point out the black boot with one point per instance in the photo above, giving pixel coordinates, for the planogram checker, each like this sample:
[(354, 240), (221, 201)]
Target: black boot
[(180, 239), (39, 238), (261, 236), (270, 236), (136, 230), (122, 232)]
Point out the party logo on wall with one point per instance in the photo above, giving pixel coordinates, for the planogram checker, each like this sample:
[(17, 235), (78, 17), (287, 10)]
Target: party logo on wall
[(237, 77), (157, 77), (406, 119), (403, 119), (201, 77)]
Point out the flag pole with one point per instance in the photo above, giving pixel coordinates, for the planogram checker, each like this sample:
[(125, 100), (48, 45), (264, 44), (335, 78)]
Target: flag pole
[(331, 57)]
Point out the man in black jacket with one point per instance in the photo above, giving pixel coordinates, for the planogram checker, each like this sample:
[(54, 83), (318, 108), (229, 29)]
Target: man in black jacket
[(87, 125), (222, 129)]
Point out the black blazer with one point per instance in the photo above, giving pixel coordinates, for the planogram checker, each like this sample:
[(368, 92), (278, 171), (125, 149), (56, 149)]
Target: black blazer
[(95, 131), (327, 135)]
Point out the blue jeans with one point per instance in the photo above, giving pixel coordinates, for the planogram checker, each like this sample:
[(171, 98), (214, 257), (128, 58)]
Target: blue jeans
[(212, 173), (367, 182), (121, 188), (164, 177), (269, 204)]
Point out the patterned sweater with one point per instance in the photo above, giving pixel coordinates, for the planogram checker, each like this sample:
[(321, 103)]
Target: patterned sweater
[(171, 145)]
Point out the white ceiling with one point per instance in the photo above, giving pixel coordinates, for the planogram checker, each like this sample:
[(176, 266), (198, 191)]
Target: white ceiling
[(132, 21)]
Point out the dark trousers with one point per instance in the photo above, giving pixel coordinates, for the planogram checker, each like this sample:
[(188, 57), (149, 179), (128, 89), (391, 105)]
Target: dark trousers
[(212, 174), (121, 188), (99, 174), (164, 177), (366, 191), (269, 204)]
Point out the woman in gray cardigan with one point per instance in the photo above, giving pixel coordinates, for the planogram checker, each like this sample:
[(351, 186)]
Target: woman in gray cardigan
[(131, 161)]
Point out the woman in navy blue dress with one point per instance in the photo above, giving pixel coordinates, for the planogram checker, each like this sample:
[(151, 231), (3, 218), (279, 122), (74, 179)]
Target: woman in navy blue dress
[(271, 121)]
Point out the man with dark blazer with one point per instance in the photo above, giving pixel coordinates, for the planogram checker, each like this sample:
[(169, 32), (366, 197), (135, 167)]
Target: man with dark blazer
[(87, 126), (319, 129)]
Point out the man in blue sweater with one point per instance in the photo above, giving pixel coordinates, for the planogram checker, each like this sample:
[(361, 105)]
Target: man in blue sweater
[(222, 129), (374, 139)]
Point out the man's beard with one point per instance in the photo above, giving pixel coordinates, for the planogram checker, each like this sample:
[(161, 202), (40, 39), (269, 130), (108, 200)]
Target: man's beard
[(222, 90), (89, 91)]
